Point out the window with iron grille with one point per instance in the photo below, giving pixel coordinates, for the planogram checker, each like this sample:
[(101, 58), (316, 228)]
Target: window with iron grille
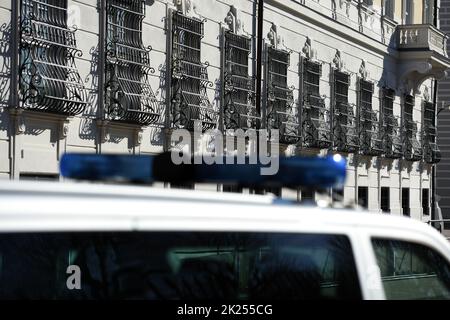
[(344, 126), (129, 96), (412, 147), (315, 115), (282, 113), (363, 197), (189, 76), (49, 78), (430, 148), (385, 200), (239, 87), (390, 126), (369, 127), (405, 202), (426, 201)]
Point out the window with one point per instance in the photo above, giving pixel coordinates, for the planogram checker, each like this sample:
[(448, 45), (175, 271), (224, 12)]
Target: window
[(39, 177), (179, 266), (189, 75), (393, 147), (282, 113), (408, 8), (385, 200), (389, 9), (239, 103), (315, 116), (412, 147), (232, 188), (363, 197), (49, 78), (368, 3), (406, 202), (129, 96), (347, 139), (429, 12), (411, 271), (337, 195), (308, 195), (371, 142), (431, 150), (426, 201), (182, 186)]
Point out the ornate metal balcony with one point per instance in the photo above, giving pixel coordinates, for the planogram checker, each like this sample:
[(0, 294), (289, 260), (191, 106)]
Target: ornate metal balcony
[(129, 96), (190, 102), (346, 138), (431, 152), (423, 54), (316, 123), (391, 137), (49, 78), (239, 87), (371, 142), (412, 146), (282, 113)]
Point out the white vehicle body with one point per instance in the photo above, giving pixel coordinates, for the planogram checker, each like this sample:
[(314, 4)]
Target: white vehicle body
[(67, 207)]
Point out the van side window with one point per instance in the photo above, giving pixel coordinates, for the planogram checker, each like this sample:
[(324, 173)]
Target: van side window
[(411, 271)]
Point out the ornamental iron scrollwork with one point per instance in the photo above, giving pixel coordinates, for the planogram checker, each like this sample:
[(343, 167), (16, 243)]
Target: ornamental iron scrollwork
[(129, 96), (411, 144), (315, 115), (190, 102), (391, 134), (431, 152), (346, 138), (282, 112), (371, 142), (239, 88), (49, 79)]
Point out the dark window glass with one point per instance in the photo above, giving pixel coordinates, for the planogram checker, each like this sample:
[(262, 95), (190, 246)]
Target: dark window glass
[(185, 186), (426, 201), (179, 265), (363, 197), (337, 195), (389, 8), (39, 177), (405, 202), (411, 271), (385, 200), (308, 195), (232, 188)]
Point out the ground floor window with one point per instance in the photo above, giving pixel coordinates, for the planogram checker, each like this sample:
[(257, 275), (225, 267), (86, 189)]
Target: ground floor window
[(426, 201), (363, 197), (385, 200), (405, 202)]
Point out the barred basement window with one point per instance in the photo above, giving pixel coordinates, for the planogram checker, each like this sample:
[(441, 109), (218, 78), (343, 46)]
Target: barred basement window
[(189, 75), (385, 200), (344, 126), (369, 127), (282, 113), (405, 202), (426, 201), (393, 148), (49, 79), (412, 147), (430, 147), (315, 116), (239, 88), (129, 96)]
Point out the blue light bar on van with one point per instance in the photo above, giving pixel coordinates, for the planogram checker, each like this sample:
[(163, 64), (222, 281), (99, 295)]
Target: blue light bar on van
[(318, 172)]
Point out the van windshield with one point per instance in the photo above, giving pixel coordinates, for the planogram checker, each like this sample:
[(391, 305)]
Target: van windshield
[(177, 265)]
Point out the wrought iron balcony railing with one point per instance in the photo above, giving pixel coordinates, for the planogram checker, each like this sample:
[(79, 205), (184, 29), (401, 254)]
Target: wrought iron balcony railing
[(282, 112), (316, 123), (411, 144), (190, 102), (371, 142), (239, 87), (346, 138), (392, 142), (431, 152), (49, 78), (129, 96)]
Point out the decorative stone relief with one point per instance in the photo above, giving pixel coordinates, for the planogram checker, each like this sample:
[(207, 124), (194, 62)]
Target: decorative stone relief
[(363, 73), (308, 51), (274, 38), (337, 61), (233, 22)]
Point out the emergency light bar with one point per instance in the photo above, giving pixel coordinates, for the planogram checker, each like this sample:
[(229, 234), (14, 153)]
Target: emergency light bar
[(318, 172)]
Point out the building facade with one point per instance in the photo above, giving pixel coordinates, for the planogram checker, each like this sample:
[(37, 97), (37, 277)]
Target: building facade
[(333, 76)]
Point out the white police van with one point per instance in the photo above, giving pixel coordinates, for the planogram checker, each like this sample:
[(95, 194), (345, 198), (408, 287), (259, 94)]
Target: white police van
[(83, 240)]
